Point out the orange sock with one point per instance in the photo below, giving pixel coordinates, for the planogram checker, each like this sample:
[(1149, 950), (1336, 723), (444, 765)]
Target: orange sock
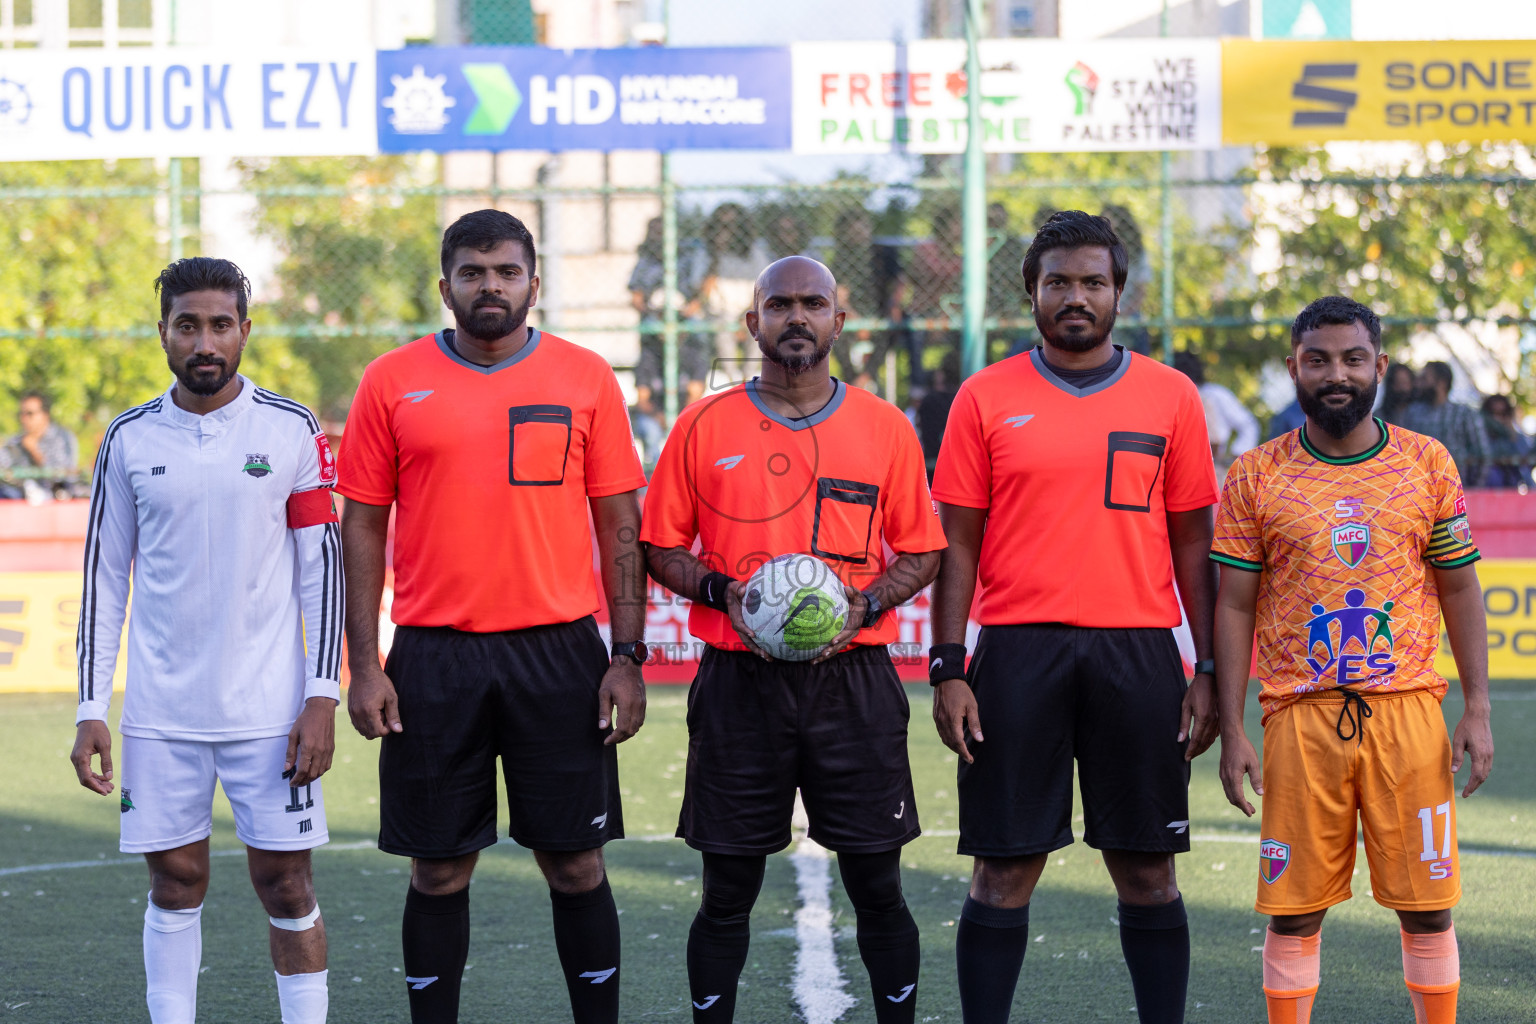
[(1432, 970), (1292, 971)]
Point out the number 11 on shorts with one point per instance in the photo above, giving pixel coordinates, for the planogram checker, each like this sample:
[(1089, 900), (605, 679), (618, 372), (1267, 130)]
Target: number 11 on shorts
[(1441, 866)]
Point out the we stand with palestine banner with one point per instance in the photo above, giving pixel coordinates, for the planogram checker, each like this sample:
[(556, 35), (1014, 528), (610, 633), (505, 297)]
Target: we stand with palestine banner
[(1036, 96)]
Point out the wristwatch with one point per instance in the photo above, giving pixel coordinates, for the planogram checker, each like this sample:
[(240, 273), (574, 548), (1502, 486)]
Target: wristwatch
[(872, 610), (636, 650), (1206, 667)]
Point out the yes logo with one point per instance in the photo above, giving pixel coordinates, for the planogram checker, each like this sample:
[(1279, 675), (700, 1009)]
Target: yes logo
[(1351, 542), (1352, 644)]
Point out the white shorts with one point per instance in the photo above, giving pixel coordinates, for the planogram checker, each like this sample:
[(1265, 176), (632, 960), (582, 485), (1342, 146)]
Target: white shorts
[(167, 795)]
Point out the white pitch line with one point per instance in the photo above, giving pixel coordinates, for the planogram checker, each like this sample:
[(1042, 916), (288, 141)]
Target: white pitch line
[(820, 988), (67, 865)]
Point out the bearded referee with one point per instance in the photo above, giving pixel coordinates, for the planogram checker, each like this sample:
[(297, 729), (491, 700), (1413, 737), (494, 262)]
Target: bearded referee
[(214, 500), (492, 441), (1075, 484), (795, 461)]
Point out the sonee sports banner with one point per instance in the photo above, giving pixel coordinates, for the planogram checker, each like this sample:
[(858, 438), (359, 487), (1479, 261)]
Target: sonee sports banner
[(1284, 93)]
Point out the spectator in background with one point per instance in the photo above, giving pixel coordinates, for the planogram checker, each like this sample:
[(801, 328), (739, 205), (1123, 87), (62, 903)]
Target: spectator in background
[(1138, 279), (869, 287), (1286, 420), (932, 411), (1457, 426), (1397, 393), (937, 264), (1509, 463), (787, 235), (736, 257), (693, 350), (1232, 428), (43, 460)]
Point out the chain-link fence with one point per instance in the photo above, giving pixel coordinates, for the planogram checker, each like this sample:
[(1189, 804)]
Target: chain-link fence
[(344, 256)]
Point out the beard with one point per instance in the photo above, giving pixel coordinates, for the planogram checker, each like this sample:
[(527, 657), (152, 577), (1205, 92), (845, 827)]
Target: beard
[(1075, 342), (489, 320), (1337, 421), (796, 363), (203, 384)]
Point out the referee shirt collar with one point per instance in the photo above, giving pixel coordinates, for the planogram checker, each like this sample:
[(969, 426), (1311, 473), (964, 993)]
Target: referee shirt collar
[(1037, 359), (212, 422), (804, 423), (447, 349)]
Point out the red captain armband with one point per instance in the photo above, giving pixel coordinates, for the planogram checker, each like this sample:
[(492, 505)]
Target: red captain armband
[(311, 508)]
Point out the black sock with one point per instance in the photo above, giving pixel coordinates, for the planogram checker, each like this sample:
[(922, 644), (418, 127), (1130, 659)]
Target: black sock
[(717, 951), (434, 935), (887, 935), (1155, 941), (721, 933), (587, 941), (989, 950)]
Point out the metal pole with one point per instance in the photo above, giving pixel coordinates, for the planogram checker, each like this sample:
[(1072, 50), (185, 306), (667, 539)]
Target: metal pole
[(669, 367), (668, 289), (1166, 245), (173, 190), (973, 345)]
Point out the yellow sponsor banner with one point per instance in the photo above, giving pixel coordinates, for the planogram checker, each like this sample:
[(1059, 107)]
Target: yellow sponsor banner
[(38, 615), (39, 612), (1284, 92), (1509, 596)]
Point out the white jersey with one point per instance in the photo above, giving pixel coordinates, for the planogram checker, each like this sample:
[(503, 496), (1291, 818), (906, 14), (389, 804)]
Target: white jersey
[(226, 524)]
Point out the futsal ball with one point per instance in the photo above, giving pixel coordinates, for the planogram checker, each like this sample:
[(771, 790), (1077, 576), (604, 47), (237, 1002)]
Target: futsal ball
[(795, 606)]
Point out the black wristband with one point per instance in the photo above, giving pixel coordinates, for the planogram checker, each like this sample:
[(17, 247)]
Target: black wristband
[(945, 662), (712, 590), (1206, 667)]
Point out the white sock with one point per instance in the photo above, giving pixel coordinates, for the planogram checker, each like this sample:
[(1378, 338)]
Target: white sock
[(303, 997), (173, 954)]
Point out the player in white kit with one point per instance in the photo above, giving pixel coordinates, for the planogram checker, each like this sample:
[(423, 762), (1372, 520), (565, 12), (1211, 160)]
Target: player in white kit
[(215, 499)]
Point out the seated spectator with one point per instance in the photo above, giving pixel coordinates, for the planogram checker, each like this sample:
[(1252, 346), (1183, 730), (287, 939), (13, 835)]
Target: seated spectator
[(43, 460), (1457, 426), (1509, 463), (1397, 393)]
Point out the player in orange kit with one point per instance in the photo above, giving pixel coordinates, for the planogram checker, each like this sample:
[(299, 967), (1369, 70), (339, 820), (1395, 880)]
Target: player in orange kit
[(1345, 541)]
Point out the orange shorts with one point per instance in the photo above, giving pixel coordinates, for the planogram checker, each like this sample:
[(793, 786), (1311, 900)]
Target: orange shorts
[(1396, 780)]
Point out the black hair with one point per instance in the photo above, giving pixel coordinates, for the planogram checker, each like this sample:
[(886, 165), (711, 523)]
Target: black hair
[(201, 274), (1074, 229), (1189, 364), (1441, 372), (483, 231), (1333, 310), (44, 399)]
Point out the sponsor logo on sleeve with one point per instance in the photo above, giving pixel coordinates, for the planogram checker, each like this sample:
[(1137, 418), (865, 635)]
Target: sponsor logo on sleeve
[(327, 459)]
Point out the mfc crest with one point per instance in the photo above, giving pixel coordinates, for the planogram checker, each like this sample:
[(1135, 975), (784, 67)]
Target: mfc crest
[(1274, 858), (1351, 541)]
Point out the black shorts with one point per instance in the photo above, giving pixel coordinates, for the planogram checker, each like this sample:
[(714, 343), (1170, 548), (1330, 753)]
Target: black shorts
[(837, 731), (1047, 694), (528, 696)]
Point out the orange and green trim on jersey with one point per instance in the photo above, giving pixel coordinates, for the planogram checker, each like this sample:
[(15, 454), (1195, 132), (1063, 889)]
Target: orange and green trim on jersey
[(1348, 460), (1237, 563)]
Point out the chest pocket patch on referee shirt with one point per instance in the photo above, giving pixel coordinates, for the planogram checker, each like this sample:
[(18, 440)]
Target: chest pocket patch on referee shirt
[(845, 517), (1130, 470), (539, 443)]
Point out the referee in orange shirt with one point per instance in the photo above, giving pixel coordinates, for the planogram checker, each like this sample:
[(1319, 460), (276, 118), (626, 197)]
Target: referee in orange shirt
[(1076, 481), (493, 440)]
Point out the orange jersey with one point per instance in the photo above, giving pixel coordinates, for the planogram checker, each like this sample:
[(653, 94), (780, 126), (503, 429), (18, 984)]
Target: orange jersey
[(1344, 600), (491, 468), (840, 484), (1077, 485)]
